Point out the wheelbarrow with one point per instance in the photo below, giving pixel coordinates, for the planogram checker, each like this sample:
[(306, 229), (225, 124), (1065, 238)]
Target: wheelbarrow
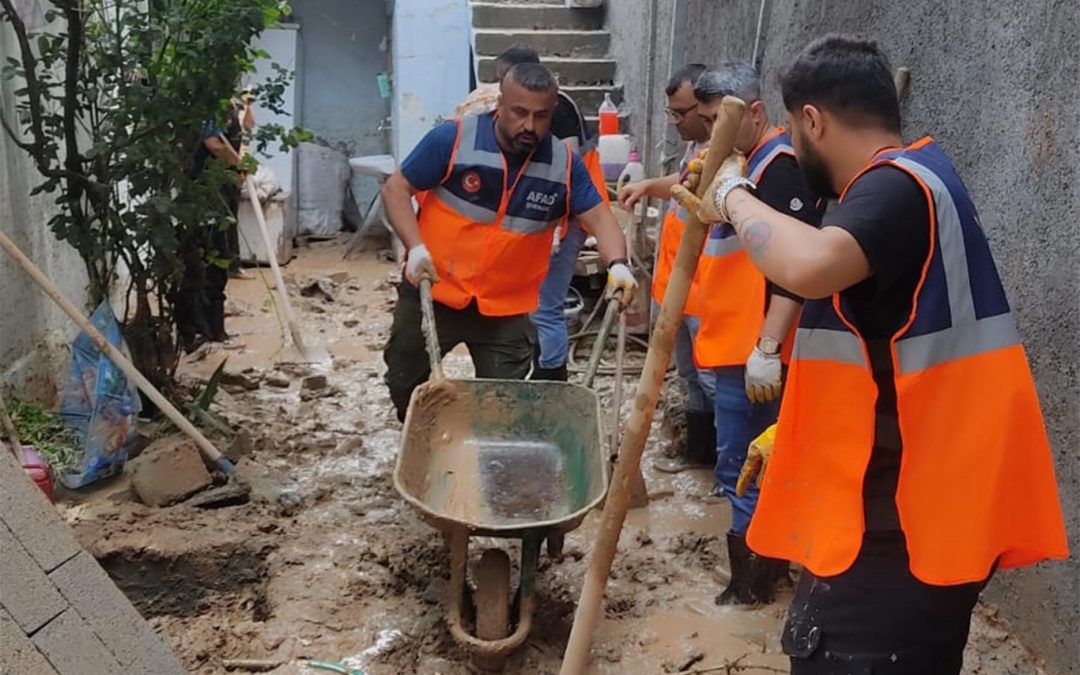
[(499, 458)]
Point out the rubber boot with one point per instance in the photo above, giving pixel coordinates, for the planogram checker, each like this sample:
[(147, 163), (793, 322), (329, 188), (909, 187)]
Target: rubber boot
[(764, 576), (699, 450), (738, 589), (558, 374), (701, 439)]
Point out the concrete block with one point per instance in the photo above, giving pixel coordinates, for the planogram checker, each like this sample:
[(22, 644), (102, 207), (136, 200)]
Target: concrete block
[(495, 15), (168, 471), (32, 519), (71, 647), (579, 43), (90, 591), (25, 591), (18, 655), (569, 71)]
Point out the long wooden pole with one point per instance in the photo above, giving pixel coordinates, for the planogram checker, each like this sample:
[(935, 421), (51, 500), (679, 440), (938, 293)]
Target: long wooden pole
[(637, 431), (121, 361)]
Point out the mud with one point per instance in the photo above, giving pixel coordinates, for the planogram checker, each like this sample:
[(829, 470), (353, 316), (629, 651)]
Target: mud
[(328, 562)]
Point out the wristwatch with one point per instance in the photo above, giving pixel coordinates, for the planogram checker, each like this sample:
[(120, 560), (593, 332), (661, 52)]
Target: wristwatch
[(769, 346), (726, 187), (618, 261)]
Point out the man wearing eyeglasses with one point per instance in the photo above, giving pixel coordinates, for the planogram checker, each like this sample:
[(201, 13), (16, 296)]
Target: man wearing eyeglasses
[(699, 447)]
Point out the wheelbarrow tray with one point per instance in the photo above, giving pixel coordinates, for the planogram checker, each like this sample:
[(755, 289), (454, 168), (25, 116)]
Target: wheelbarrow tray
[(503, 457)]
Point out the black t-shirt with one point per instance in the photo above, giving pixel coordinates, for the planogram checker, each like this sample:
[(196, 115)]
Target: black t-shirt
[(887, 213), (783, 188), (565, 122)]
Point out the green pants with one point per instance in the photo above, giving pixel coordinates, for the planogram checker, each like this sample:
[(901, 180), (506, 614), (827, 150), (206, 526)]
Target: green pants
[(501, 346)]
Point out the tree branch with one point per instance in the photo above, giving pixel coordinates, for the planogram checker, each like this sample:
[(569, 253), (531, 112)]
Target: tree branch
[(29, 64)]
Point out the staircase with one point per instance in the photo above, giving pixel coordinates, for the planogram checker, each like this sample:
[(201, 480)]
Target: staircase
[(571, 41)]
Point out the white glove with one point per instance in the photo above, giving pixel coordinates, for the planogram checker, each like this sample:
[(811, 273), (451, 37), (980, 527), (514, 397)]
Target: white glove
[(418, 265), (620, 278), (762, 376)]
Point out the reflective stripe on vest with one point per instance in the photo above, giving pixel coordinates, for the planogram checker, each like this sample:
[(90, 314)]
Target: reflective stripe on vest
[(731, 321), (969, 420), (491, 241), (671, 230)]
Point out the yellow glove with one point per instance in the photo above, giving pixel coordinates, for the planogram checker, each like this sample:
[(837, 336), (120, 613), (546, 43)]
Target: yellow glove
[(705, 207), (757, 459)]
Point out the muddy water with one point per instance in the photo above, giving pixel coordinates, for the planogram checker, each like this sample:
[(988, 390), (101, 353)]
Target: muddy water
[(347, 572)]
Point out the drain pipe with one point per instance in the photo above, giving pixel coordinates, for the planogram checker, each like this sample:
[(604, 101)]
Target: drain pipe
[(757, 35)]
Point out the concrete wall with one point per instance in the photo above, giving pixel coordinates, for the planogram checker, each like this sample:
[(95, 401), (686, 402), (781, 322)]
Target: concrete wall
[(996, 85), (33, 332), (60, 614), (344, 46), (430, 65)]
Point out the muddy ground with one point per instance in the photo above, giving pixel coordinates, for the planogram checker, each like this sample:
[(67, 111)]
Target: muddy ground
[(341, 569)]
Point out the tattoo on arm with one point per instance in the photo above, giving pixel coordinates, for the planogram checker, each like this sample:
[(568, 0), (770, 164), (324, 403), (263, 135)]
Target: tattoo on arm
[(755, 237)]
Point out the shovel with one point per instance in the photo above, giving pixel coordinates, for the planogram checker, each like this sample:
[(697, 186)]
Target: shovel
[(661, 345), (310, 353)]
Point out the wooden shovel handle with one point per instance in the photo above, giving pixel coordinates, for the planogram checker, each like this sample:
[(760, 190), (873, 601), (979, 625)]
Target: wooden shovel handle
[(661, 345)]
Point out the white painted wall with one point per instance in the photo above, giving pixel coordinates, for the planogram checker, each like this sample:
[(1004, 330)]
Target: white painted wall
[(33, 331), (430, 41)]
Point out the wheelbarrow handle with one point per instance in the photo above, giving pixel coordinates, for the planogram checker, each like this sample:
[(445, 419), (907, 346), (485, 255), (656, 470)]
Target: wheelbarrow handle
[(431, 335), (610, 313)]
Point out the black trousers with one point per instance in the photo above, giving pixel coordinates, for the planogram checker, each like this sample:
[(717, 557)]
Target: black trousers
[(878, 619), (501, 346)]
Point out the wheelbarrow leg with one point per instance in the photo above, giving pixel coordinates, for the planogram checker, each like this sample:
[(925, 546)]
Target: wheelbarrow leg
[(555, 541)]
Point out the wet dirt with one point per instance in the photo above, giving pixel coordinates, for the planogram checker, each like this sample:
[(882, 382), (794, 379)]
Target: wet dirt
[(328, 562)]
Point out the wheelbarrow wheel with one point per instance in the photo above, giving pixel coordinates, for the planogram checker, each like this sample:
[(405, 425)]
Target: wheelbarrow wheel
[(492, 599)]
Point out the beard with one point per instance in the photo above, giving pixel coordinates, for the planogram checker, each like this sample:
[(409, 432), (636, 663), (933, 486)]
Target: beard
[(816, 172), (526, 141)]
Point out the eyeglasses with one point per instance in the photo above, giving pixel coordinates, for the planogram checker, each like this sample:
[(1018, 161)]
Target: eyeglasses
[(677, 114)]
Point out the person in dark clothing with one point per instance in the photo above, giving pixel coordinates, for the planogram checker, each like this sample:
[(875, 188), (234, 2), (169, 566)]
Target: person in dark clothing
[(210, 252), (910, 414)]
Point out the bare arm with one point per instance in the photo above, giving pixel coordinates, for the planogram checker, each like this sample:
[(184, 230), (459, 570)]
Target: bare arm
[(609, 236), (397, 195), (809, 262), (222, 149), (659, 188), (782, 313)]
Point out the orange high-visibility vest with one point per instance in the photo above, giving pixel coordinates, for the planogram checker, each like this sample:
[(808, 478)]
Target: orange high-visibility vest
[(667, 245), (491, 241), (735, 290), (976, 478)]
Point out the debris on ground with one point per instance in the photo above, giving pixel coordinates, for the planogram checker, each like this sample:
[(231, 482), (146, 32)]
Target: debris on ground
[(326, 561), (167, 471)]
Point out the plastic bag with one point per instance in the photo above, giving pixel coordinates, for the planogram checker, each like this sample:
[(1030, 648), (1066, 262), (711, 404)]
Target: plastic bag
[(99, 403)]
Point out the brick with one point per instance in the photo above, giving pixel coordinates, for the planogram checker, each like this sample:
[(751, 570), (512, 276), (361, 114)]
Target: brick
[(25, 591), (33, 520), (18, 655), (168, 471), (90, 591), (71, 647)]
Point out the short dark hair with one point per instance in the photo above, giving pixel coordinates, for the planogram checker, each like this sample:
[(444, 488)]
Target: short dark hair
[(532, 76), (515, 54), (849, 77), (729, 79), (688, 74)]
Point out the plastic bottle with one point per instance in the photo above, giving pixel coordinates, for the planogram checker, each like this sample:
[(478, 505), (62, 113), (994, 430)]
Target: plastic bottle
[(633, 172), (609, 117), (614, 154)]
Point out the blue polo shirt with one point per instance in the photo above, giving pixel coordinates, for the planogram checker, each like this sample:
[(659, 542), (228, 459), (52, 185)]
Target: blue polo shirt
[(426, 166)]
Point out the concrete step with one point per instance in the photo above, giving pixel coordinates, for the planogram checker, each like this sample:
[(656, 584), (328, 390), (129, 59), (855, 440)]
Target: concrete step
[(505, 15), (579, 43), (570, 71), (589, 98)]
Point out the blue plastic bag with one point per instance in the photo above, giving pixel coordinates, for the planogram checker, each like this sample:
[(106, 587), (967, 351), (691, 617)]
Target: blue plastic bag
[(99, 403)]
